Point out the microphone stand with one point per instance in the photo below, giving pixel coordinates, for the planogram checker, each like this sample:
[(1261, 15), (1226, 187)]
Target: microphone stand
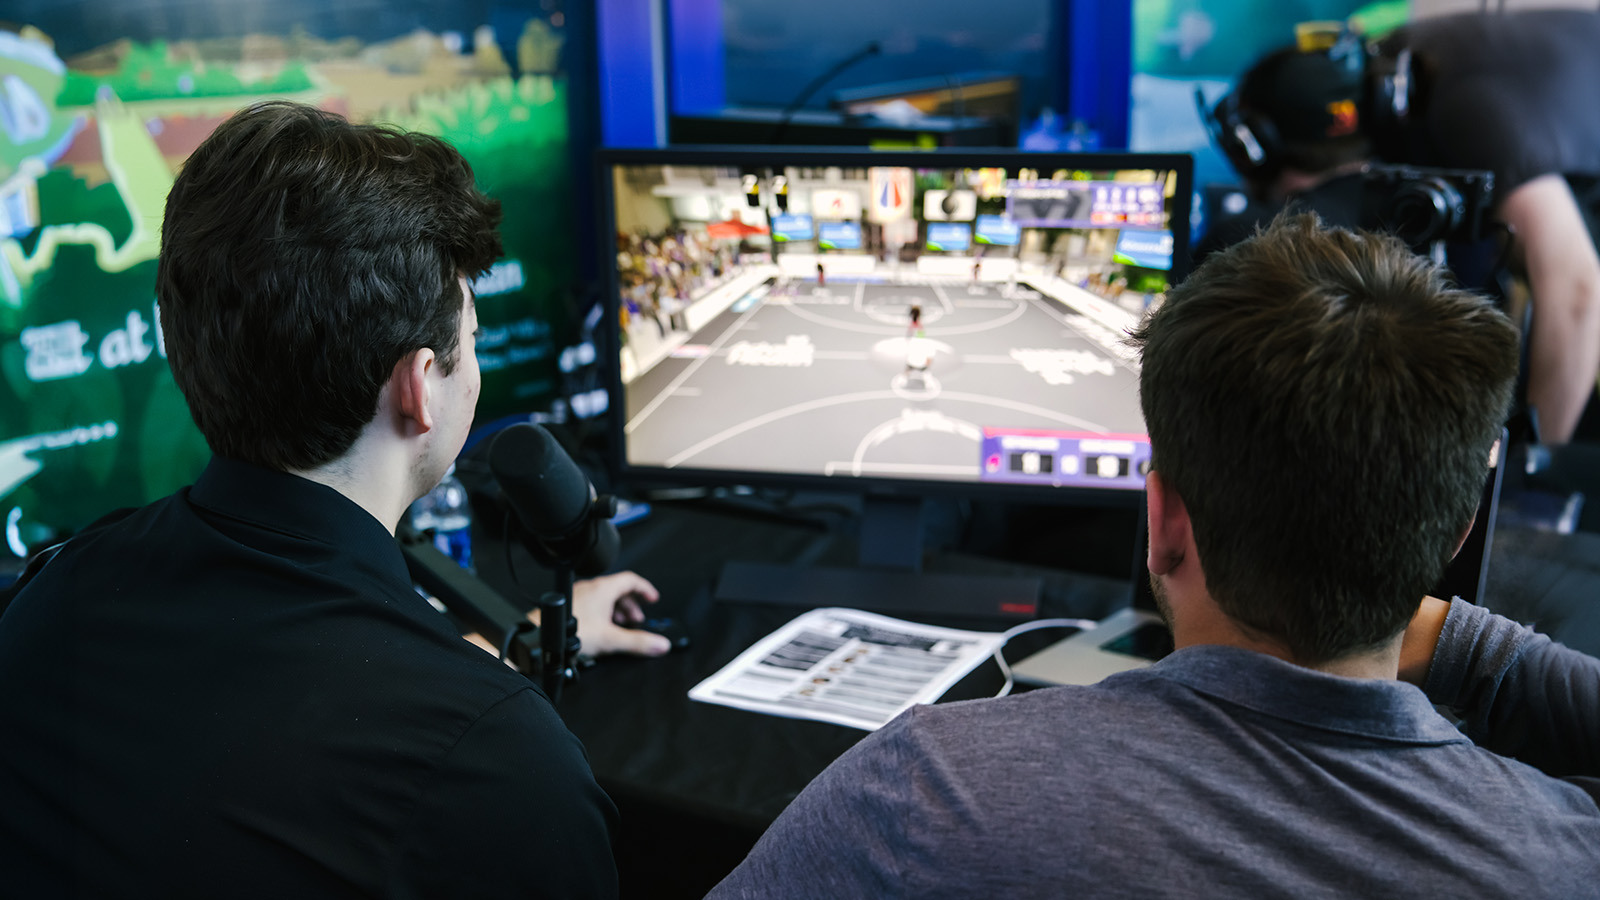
[(558, 629), (558, 635)]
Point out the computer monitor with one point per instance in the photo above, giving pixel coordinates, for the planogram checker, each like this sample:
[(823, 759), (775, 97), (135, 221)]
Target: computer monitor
[(103, 101), (895, 324)]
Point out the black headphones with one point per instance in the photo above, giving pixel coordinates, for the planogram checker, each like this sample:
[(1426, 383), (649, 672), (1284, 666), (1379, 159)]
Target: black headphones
[(1248, 139), (1349, 89)]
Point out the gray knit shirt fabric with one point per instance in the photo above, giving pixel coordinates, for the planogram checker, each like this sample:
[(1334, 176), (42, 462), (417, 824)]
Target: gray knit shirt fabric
[(1220, 772)]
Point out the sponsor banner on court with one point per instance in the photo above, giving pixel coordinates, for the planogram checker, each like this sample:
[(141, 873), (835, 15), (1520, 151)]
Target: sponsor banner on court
[(833, 203), (795, 351), (939, 205), (892, 194)]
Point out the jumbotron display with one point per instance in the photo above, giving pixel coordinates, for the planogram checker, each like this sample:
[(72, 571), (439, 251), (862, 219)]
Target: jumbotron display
[(851, 316)]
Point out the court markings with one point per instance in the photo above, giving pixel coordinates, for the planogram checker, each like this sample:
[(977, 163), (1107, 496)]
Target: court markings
[(774, 416), (1016, 312), (953, 471), (927, 387), (690, 369), (796, 409), (912, 422), (895, 310), (1065, 319), (900, 386)]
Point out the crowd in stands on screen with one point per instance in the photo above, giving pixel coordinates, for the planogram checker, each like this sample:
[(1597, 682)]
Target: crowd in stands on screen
[(662, 274)]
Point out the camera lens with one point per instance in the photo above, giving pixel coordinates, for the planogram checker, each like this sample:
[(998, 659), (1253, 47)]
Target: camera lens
[(1425, 210)]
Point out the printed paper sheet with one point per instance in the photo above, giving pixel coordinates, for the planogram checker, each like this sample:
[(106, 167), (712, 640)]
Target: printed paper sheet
[(847, 667)]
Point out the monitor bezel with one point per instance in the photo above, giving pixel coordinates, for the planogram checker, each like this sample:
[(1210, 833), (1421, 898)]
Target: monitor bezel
[(624, 472)]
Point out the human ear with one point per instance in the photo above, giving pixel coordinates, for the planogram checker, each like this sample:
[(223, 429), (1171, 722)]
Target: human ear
[(1168, 525), (1462, 540), (410, 382)]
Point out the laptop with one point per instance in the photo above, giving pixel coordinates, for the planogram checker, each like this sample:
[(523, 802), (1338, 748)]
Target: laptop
[(1128, 639), (1137, 636)]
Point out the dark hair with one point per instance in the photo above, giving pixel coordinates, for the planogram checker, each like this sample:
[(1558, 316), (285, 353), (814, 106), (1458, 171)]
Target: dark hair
[(1294, 92), (302, 257), (1324, 403)]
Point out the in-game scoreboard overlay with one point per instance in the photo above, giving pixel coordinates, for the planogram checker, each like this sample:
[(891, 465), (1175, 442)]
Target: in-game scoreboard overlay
[(961, 325)]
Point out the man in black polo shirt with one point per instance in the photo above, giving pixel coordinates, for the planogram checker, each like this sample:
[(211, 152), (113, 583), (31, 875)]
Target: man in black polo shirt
[(235, 691)]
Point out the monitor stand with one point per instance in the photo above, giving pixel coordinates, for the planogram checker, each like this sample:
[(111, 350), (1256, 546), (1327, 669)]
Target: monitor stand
[(889, 578)]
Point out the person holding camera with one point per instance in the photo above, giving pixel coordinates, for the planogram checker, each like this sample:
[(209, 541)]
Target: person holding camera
[(1507, 93)]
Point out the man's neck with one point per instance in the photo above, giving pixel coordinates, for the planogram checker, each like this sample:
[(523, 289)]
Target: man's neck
[(1196, 625), (382, 483)]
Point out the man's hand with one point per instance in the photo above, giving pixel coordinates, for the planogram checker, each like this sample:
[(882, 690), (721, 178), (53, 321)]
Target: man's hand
[(604, 605)]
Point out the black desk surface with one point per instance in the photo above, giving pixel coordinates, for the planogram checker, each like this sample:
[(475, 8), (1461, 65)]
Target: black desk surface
[(697, 783)]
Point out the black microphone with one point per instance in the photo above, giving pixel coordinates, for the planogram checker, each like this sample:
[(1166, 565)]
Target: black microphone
[(552, 498)]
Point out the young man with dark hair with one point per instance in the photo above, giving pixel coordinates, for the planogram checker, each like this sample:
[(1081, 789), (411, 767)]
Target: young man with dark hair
[(236, 691), (1321, 409)]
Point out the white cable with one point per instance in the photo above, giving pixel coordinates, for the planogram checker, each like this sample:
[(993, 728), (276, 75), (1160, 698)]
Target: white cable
[(999, 652)]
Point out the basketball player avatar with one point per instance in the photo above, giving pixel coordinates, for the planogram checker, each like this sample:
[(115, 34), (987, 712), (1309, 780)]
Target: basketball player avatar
[(919, 350)]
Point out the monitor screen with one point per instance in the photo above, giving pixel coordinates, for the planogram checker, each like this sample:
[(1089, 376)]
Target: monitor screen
[(103, 101), (792, 228), (949, 237), (1145, 249), (982, 349), (998, 230), (839, 236)]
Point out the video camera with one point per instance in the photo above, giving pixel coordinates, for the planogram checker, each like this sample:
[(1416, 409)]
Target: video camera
[(1426, 206)]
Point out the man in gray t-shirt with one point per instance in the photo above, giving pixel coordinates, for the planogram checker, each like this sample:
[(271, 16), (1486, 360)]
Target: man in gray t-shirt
[(1321, 408)]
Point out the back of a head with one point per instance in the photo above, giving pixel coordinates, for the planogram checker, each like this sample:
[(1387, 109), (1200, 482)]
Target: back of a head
[(1325, 405), (1308, 108), (302, 257)]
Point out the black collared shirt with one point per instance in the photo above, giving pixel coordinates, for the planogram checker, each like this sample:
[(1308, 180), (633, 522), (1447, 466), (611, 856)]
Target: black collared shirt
[(236, 692)]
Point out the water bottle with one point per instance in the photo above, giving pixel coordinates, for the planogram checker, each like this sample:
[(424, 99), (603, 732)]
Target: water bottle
[(444, 511)]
